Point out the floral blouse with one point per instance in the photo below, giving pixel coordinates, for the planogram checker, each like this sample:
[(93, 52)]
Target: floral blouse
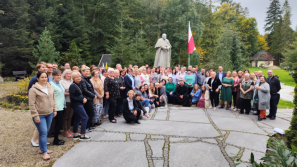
[(235, 81), (112, 86)]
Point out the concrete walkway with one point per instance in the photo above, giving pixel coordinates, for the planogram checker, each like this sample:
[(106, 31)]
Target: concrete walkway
[(287, 92), (175, 137)]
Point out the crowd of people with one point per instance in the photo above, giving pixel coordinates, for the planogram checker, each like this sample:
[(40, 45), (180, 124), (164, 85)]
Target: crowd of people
[(72, 96)]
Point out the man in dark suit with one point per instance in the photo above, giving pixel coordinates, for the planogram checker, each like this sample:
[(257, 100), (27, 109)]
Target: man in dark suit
[(275, 86), (181, 94), (221, 75)]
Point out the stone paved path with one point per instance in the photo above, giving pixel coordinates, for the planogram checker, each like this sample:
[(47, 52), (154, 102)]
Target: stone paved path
[(287, 92), (176, 137)]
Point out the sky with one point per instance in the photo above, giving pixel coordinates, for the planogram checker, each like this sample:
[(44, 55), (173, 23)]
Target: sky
[(258, 9)]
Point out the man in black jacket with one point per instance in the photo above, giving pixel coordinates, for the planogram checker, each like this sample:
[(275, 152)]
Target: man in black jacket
[(181, 94), (275, 86), (139, 106), (89, 93)]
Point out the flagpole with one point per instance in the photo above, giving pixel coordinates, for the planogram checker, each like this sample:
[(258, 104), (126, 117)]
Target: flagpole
[(188, 59)]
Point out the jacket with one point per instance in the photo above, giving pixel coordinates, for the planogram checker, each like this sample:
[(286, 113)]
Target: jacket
[(274, 84), (215, 84), (126, 112), (99, 92), (138, 103), (76, 94), (87, 88), (40, 103), (264, 96), (224, 75), (128, 85), (59, 96), (245, 87)]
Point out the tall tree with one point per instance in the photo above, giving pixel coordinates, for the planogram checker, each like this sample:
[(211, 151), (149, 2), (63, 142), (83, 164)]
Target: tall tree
[(16, 48), (276, 47), (72, 56), (45, 50), (287, 32), (273, 14)]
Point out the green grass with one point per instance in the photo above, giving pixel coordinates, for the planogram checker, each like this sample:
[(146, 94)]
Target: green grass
[(284, 76), (285, 104)]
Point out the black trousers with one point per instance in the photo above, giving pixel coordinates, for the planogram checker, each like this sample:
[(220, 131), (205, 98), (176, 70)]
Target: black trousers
[(214, 98), (89, 108), (132, 118), (245, 104), (119, 106), (170, 98), (273, 104), (189, 91), (112, 108), (184, 101), (58, 124), (234, 95)]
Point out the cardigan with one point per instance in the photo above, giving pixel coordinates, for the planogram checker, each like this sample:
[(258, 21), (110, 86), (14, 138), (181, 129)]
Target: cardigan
[(196, 96), (214, 85), (59, 95), (76, 95), (190, 80), (170, 87)]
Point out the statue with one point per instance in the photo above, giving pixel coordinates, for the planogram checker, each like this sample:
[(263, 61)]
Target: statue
[(163, 52)]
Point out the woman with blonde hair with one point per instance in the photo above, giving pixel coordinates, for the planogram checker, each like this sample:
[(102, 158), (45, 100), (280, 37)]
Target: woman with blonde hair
[(226, 94), (195, 94), (97, 102), (131, 111), (68, 112), (201, 103), (234, 88)]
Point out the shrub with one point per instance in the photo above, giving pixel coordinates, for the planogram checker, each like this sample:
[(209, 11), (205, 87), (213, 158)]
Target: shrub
[(281, 155), (23, 85), (27, 108), (16, 107), (9, 105), (17, 99), (1, 102)]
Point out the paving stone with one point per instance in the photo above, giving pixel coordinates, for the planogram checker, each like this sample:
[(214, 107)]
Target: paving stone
[(231, 149), (210, 141), (220, 112), (158, 163), (197, 115), (162, 109), (172, 139), (193, 139), (237, 125), (157, 137), (246, 156), (93, 154), (161, 116), (156, 146), (278, 123), (263, 125), (137, 136), (196, 154), (164, 128), (251, 141), (99, 136)]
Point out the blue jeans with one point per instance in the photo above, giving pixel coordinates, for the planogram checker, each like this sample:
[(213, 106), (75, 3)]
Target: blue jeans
[(106, 106), (43, 128), (146, 103), (80, 114)]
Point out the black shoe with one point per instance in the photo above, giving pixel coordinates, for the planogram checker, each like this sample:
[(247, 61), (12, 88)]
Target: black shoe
[(268, 116), (76, 137), (60, 142), (272, 118), (247, 113), (137, 122), (240, 112), (50, 135), (85, 138), (98, 123), (264, 118), (222, 107), (255, 114)]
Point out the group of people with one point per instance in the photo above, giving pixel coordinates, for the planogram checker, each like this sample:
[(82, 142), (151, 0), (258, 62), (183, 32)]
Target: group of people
[(72, 96)]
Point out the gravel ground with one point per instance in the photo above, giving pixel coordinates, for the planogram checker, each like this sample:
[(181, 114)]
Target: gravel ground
[(16, 132), (7, 88)]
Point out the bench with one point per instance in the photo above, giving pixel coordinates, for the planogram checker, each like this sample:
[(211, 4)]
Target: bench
[(18, 74)]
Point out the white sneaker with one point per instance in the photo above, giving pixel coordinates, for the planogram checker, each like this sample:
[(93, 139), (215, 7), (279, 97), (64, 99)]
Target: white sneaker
[(106, 116), (214, 108), (34, 144), (235, 109)]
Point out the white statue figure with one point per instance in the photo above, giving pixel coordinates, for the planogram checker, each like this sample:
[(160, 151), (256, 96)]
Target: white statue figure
[(163, 52)]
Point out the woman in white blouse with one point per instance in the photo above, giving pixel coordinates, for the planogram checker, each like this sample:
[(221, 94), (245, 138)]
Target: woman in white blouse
[(145, 77)]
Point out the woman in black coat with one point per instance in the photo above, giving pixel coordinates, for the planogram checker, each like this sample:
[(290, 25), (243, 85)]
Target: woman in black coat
[(130, 109), (214, 84)]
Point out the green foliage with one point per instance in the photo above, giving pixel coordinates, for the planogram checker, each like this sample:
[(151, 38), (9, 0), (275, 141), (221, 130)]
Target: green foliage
[(229, 51), (281, 156), (273, 14), (73, 56), (195, 59), (45, 50), (1, 102)]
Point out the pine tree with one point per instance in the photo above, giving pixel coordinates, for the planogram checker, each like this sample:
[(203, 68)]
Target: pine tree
[(287, 32), (273, 14), (73, 56), (229, 51), (16, 48), (45, 50), (277, 45)]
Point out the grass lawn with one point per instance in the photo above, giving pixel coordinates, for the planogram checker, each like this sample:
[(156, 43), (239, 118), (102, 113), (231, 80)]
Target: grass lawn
[(285, 104), (284, 76)]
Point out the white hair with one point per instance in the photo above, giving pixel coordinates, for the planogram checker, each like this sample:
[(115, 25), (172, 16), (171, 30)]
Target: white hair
[(110, 69)]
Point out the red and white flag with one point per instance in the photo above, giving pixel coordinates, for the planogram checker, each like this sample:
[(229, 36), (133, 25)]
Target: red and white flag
[(191, 44)]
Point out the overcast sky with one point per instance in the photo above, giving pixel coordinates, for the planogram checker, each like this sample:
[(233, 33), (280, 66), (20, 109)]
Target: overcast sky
[(258, 9)]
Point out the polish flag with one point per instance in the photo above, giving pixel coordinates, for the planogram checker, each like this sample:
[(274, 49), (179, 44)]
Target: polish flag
[(191, 45)]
